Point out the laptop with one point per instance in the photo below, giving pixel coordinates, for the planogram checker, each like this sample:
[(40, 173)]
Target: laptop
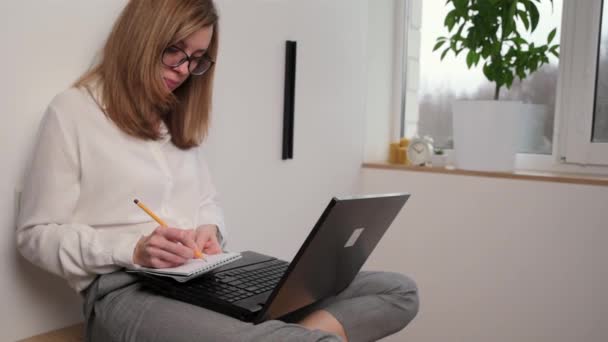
[(259, 287)]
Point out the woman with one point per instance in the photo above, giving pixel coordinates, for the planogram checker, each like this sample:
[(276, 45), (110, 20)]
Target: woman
[(131, 128)]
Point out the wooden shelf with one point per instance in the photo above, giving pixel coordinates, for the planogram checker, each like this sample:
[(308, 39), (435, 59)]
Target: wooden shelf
[(571, 178)]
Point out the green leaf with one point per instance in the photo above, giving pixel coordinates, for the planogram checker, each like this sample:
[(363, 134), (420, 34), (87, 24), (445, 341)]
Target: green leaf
[(438, 45), (533, 65), (461, 5), (496, 49), (487, 71), (485, 51), (450, 20), (459, 31), (519, 41), (484, 8), (476, 61), (470, 58), (499, 79), (551, 36), (521, 73), (445, 52), (509, 79), (524, 18), (513, 11), (534, 15)]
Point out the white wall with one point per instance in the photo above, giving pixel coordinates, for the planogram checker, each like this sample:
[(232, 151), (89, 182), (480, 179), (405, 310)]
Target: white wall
[(46, 45), (270, 204), (498, 260), (266, 199)]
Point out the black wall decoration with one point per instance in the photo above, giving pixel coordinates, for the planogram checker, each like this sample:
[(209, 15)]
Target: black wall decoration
[(289, 98)]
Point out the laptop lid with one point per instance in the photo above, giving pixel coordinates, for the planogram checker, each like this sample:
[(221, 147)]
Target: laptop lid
[(333, 253)]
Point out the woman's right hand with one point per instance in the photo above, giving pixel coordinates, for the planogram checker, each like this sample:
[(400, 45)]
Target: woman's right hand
[(165, 247)]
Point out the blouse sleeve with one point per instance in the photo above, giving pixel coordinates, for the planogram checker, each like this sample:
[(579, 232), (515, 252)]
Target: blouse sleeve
[(46, 235), (209, 212)]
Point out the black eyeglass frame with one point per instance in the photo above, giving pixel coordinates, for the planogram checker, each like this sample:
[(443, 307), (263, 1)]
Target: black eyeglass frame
[(187, 59)]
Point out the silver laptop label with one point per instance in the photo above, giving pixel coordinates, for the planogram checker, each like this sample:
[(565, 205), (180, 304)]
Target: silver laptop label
[(353, 237)]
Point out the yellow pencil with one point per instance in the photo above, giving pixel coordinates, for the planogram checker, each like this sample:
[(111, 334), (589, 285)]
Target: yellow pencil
[(162, 223)]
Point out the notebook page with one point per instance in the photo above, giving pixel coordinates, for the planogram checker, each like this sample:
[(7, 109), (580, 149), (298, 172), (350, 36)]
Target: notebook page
[(195, 266)]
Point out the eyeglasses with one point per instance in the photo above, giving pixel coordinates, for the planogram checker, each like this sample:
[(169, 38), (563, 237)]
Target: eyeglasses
[(174, 57)]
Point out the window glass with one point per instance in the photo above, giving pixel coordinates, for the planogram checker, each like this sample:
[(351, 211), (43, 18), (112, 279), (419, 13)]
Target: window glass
[(600, 116), (441, 82)]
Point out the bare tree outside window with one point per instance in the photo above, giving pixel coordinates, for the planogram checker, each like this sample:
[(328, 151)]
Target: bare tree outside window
[(442, 82)]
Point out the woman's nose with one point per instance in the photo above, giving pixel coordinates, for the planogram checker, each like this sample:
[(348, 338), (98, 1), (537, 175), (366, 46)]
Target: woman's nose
[(182, 68)]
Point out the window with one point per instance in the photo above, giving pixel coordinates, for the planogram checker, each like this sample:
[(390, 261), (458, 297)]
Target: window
[(583, 113), (600, 119), (441, 82), (572, 129)]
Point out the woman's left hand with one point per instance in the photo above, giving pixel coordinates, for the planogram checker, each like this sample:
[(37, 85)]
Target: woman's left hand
[(205, 237)]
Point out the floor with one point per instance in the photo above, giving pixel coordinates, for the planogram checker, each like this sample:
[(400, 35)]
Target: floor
[(74, 333)]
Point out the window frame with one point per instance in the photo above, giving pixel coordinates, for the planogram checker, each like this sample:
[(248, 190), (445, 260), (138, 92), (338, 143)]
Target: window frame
[(581, 28), (570, 154)]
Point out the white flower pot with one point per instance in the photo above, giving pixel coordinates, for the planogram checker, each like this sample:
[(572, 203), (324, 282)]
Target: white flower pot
[(485, 134), (531, 138)]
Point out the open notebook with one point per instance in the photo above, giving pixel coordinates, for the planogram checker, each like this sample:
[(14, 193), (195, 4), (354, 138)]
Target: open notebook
[(193, 267)]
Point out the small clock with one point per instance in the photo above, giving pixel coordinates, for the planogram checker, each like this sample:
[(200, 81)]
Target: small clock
[(420, 151)]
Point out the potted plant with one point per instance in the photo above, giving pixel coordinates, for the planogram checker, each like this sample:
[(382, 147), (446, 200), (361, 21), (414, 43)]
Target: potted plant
[(489, 32)]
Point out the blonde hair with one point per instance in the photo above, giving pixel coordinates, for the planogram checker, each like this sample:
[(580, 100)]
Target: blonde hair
[(133, 94)]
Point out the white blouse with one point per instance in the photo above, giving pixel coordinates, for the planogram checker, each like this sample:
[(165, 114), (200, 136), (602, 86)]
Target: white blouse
[(77, 216)]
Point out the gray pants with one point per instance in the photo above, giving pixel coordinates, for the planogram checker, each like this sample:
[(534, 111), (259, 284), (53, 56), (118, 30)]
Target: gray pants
[(117, 308)]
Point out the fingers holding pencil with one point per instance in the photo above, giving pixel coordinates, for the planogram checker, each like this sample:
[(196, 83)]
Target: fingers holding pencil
[(182, 240), (164, 247), (176, 236)]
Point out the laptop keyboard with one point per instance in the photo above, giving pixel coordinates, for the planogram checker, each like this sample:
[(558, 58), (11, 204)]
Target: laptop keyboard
[(241, 283)]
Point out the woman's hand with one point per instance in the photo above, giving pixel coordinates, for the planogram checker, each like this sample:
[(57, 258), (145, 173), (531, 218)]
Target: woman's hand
[(165, 247), (206, 239)]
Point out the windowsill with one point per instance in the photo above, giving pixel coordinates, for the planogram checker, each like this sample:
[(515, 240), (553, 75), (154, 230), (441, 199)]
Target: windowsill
[(571, 178)]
